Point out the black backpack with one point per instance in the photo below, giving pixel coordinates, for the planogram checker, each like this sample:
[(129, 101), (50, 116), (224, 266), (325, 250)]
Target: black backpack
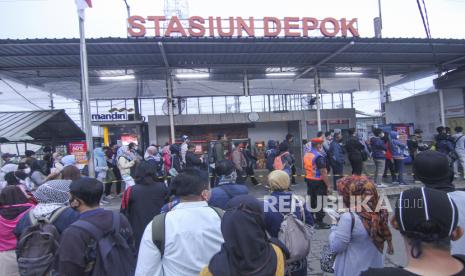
[(38, 246), (109, 252)]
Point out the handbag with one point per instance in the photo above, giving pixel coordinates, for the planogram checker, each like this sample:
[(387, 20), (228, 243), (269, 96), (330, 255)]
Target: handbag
[(327, 257)]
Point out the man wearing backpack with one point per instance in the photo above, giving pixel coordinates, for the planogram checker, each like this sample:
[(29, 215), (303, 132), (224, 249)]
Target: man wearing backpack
[(316, 176), (182, 241), (101, 241), (271, 154)]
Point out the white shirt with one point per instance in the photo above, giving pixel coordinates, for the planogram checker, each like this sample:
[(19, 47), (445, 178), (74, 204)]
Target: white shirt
[(458, 247), (192, 237), (459, 139), (184, 149)]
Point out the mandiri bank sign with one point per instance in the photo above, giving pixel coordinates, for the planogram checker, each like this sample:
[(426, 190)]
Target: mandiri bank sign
[(196, 26)]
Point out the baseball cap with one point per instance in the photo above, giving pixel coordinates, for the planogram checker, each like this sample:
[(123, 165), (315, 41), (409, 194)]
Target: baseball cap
[(29, 153), (185, 137), (432, 168), (420, 206), (8, 155), (317, 140)]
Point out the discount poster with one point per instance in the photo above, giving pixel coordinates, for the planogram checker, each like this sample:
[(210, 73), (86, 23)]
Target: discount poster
[(79, 150)]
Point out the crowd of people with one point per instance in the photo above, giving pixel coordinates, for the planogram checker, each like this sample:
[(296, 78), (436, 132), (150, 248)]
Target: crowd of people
[(175, 220)]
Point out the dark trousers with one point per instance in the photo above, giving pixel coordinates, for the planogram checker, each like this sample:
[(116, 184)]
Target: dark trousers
[(390, 166), (315, 189), (251, 173), (294, 171), (241, 177), (357, 165), (338, 171), (117, 181), (399, 164)]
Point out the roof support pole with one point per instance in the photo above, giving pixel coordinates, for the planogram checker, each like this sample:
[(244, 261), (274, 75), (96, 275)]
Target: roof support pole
[(87, 126), (441, 104), (316, 79), (382, 90), (169, 90)]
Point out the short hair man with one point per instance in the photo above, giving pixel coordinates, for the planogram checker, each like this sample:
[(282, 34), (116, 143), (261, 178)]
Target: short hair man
[(316, 177), (432, 168), (427, 220), (74, 255), (192, 231)]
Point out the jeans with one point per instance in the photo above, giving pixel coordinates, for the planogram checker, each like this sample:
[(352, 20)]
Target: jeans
[(338, 171), (241, 176), (379, 169), (390, 166), (461, 160), (399, 164)]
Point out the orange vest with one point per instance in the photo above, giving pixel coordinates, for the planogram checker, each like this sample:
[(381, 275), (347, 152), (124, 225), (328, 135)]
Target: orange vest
[(311, 170)]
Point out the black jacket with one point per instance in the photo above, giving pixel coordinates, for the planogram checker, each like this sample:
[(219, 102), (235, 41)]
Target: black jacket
[(354, 148)]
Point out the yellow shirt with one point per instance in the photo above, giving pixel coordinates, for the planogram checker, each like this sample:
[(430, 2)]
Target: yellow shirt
[(279, 268)]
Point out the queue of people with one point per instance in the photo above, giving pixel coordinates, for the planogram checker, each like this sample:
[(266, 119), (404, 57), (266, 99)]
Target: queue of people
[(186, 227)]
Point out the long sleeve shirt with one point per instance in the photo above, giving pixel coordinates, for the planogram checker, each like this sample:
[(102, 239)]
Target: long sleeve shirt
[(355, 250), (192, 236)]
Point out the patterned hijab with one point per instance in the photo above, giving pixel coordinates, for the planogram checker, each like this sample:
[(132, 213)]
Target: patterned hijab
[(376, 223), (51, 196)]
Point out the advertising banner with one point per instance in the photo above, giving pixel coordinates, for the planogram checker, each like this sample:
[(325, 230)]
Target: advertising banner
[(78, 149)]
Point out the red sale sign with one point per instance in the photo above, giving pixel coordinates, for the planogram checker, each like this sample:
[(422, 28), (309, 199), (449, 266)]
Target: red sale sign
[(79, 150)]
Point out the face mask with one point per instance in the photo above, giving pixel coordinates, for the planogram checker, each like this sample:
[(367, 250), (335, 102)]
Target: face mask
[(27, 170), (381, 135), (397, 137)]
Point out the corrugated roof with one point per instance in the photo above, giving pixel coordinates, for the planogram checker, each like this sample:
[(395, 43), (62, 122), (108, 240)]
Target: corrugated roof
[(57, 62), (41, 125)]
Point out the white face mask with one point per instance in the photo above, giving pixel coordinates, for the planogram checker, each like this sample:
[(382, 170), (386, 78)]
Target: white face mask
[(27, 170)]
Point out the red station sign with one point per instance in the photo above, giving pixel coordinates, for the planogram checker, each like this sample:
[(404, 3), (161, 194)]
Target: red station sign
[(197, 26)]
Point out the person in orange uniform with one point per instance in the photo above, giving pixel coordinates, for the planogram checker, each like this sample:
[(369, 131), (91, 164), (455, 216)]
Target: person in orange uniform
[(316, 177)]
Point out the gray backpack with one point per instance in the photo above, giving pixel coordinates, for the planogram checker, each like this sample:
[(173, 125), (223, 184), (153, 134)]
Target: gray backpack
[(296, 235)]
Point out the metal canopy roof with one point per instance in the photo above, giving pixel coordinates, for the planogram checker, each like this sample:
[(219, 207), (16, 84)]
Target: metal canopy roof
[(46, 126), (54, 63)]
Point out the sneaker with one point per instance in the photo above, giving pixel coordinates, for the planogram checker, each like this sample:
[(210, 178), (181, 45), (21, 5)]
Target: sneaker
[(395, 182), (104, 202), (418, 182), (381, 185), (322, 226), (403, 184)]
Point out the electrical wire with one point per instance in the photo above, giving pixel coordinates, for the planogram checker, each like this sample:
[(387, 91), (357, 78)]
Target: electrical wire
[(17, 92)]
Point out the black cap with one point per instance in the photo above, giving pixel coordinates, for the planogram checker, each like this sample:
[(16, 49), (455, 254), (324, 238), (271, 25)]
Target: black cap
[(432, 168), (29, 153), (417, 206)]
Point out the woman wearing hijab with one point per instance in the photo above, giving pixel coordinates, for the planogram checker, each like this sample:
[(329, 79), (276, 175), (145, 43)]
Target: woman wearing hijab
[(126, 161), (13, 206), (51, 197), (358, 239), (279, 182), (246, 249), (144, 200), (100, 164)]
